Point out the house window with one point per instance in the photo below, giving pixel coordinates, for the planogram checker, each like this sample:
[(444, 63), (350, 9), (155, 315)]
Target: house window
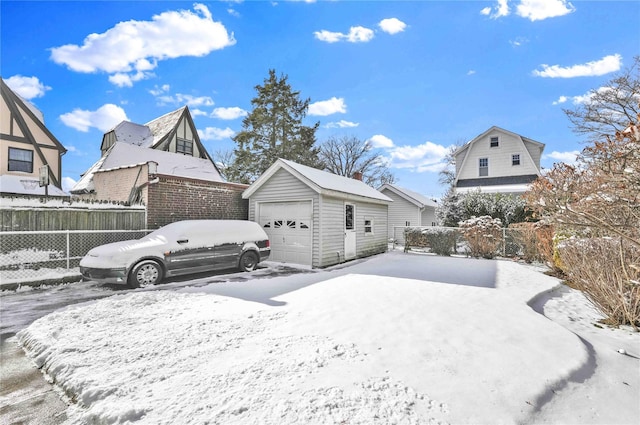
[(20, 160), (407, 223), (184, 146), (494, 143), (515, 159), (368, 226), (484, 167)]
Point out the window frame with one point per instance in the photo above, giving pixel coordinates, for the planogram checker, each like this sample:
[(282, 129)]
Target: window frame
[(368, 228), (11, 161), (183, 146), (515, 160), (481, 167), (495, 139)]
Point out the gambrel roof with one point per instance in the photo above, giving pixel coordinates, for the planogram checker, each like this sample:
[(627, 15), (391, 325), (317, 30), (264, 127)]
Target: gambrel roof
[(491, 130), (524, 141), (320, 181)]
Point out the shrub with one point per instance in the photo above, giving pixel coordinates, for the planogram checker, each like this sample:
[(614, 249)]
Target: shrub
[(440, 241), (531, 241), (483, 235), (607, 270)]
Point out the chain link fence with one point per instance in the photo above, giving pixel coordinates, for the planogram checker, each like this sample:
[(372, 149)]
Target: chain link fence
[(40, 256), (510, 243)]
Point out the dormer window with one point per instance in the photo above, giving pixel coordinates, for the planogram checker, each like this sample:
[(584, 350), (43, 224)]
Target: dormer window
[(494, 142), (184, 146)]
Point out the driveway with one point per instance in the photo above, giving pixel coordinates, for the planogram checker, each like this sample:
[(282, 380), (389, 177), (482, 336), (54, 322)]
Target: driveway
[(26, 397)]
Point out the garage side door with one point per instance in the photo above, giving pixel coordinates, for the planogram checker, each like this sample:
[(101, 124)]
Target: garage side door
[(288, 225)]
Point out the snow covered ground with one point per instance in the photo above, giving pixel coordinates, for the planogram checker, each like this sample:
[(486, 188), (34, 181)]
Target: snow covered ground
[(372, 342)]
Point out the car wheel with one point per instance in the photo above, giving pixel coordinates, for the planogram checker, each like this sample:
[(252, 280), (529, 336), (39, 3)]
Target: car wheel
[(145, 273), (248, 261)]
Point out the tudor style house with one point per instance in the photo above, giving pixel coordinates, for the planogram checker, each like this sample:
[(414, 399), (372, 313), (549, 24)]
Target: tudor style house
[(31, 157), (163, 165), (497, 161)]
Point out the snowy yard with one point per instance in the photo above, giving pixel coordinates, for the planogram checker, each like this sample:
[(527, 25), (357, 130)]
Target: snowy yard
[(371, 342)]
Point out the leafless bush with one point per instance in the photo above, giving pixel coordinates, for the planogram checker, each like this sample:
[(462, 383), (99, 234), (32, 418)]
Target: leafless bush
[(483, 234), (535, 241), (607, 270)]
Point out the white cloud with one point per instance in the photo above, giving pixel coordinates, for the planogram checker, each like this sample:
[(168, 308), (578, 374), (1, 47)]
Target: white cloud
[(328, 36), (427, 157), (198, 112), (498, 11), (104, 118), (342, 124), (185, 99), (130, 50), (392, 25), (27, 87), (518, 41), (231, 113), (561, 99), (537, 10), (534, 10), (359, 34), (328, 107), (214, 133), (158, 90), (356, 35), (603, 66), (68, 183), (380, 141), (471, 72), (566, 157)]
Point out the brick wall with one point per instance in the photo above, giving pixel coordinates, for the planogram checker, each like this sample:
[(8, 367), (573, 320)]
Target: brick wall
[(173, 199)]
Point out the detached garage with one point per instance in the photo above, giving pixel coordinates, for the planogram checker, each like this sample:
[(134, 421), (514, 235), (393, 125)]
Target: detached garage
[(317, 218)]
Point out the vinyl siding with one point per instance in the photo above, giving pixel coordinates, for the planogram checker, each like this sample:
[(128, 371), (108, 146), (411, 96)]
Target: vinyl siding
[(332, 221), (535, 152), (401, 211), (499, 157), (429, 216), (371, 243)]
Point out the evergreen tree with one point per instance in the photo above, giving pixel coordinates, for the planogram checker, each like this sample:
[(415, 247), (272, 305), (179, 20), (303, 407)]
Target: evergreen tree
[(273, 130)]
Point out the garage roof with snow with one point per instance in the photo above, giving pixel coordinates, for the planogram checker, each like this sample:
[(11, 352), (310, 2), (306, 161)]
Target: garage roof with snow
[(320, 181)]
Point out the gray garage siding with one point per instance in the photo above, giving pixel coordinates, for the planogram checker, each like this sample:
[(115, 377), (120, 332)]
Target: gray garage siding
[(332, 221), (401, 211), (375, 242)]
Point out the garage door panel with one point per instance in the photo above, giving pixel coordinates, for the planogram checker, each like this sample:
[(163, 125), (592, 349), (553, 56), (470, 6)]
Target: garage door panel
[(288, 225)]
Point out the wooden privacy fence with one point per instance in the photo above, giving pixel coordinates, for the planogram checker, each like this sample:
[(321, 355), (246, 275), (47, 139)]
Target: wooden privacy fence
[(52, 219)]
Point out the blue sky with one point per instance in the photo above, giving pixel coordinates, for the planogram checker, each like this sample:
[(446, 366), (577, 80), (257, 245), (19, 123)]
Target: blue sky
[(413, 77)]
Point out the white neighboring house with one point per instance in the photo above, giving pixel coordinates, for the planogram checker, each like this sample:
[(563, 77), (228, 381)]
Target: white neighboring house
[(316, 218), (408, 208), (497, 161)]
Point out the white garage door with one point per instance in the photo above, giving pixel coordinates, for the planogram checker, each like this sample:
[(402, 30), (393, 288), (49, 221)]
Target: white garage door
[(288, 225)]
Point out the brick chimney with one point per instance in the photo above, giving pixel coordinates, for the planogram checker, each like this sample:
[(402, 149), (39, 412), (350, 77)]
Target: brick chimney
[(357, 175)]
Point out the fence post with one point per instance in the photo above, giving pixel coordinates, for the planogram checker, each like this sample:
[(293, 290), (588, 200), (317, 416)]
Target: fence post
[(504, 241), (68, 250)]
